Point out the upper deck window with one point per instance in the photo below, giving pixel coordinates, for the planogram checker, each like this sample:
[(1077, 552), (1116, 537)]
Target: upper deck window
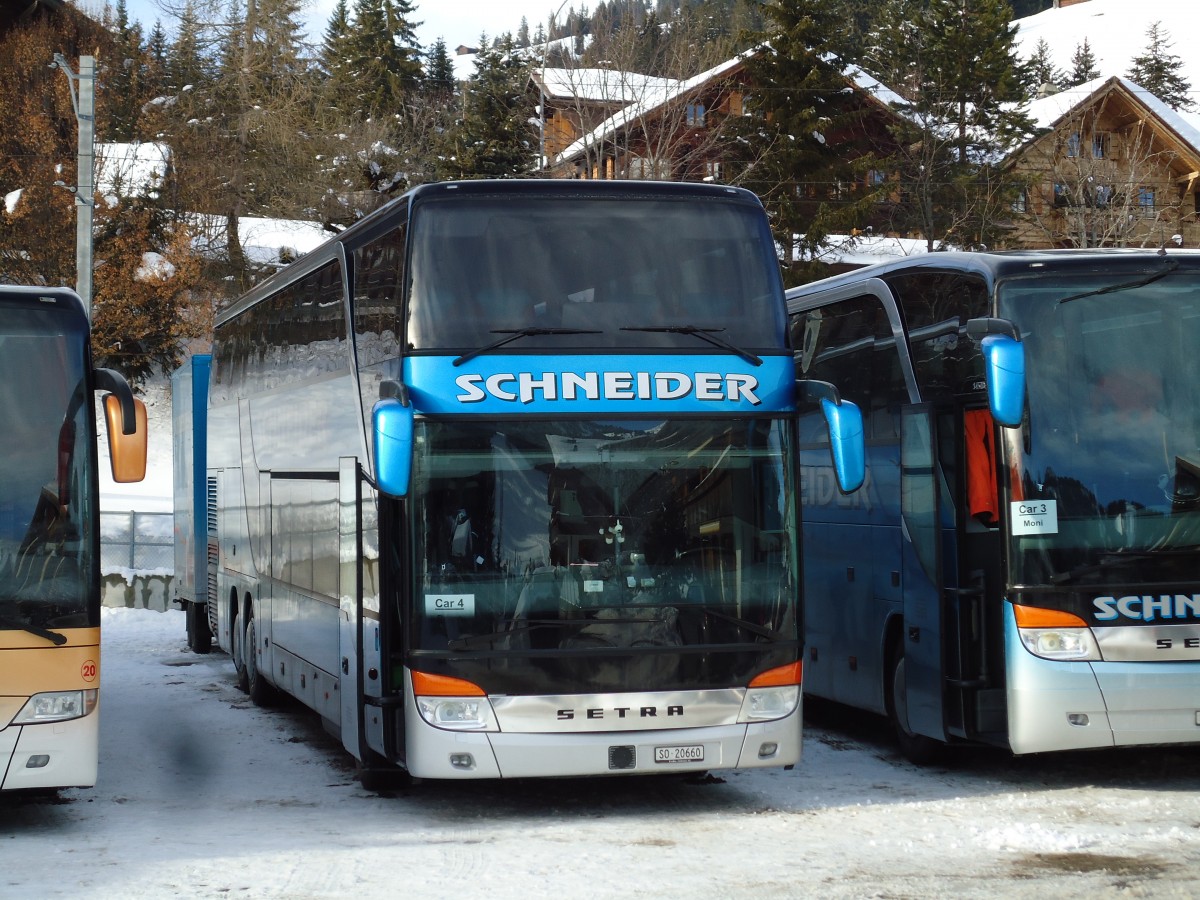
[(486, 264)]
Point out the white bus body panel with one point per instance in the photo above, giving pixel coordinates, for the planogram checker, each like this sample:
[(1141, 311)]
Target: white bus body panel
[(71, 746), (1126, 703)]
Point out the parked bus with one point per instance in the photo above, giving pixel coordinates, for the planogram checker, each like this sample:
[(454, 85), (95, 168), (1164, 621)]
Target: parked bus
[(1021, 567), (50, 534), (189, 457), (501, 482)]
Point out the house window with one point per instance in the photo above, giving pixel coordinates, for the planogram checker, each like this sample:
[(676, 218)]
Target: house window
[(875, 178), (1021, 202), (1104, 195), (1060, 196), (1146, 202), (1099, 145), (1073, 145), (695, 115), (712, 170)]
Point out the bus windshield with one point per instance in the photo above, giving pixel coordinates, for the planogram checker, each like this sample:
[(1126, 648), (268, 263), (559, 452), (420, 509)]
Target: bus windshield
[(1105, 477), (540, 272), (545, 550), (45, 488)]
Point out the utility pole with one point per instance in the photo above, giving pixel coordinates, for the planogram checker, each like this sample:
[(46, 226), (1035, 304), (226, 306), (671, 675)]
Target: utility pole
[(83, 99)]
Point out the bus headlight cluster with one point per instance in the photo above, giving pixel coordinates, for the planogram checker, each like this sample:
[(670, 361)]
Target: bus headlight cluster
[(1061, 643), (1055, 634), (57, 706), (766, 703), (458, 713)]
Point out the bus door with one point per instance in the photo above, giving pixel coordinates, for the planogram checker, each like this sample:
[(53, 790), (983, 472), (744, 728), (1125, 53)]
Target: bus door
[(917, 678), (974, 646), (361, 670)]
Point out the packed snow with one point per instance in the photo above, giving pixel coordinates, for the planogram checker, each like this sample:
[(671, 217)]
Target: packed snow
[(202, 794)]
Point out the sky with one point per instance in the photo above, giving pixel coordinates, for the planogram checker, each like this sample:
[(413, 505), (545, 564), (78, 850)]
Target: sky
[(457, 21)]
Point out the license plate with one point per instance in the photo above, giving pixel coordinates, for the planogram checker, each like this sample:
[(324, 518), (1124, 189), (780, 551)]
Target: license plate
[(688, 754)]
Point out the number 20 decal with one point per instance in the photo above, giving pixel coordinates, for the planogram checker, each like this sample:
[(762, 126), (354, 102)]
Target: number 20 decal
[(88, 670)]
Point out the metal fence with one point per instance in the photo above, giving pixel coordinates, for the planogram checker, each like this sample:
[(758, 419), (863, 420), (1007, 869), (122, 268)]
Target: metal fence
[(137, 542)]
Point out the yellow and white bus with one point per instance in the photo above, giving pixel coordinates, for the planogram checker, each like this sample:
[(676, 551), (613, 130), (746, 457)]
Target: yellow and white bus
[(49, 534)]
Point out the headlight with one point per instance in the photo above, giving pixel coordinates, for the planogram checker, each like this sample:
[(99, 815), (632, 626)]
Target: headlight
[(57, 706), (1061, 643), (1054, 634), (458, 713), (764, 704)]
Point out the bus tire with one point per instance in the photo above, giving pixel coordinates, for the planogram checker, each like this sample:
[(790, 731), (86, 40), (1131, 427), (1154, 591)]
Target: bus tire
[(378, 776), (237, 641), (199, 635), (261, 693), (916, 748)]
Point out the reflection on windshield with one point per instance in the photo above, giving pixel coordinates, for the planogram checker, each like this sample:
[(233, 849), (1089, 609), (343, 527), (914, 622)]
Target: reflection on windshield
[(1109, 466), (484, 266), (604, 535), (46, 446)]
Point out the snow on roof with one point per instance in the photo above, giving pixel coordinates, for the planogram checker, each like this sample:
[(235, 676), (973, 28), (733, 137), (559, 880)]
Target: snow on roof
[(864, 250), (131, 169), (601, 85), (1047, 111), (648, 103)]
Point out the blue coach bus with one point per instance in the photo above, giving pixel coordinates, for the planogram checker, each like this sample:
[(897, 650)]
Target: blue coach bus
[(1020, 567), (501, 482)]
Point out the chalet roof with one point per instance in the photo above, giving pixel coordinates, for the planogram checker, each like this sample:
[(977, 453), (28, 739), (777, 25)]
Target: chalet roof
[(1049, 112), (600, 85), (651, 101), (647, 104)]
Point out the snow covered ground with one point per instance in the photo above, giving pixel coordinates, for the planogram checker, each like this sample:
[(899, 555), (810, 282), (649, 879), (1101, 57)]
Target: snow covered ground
[(201, 794)]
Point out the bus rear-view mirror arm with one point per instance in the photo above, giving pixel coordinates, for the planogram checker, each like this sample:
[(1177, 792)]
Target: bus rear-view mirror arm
[(392, 420), (1004, 366), (844, 420)]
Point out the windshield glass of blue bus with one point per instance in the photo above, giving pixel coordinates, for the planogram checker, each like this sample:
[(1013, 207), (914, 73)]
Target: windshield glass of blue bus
[(1104, 478), (45, 481), (586, 273), (585, 536)]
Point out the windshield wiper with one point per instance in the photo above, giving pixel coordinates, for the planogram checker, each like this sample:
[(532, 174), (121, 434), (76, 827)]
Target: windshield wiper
[(706, 334), (734, 620), (513, 334), (1171, 266), (52, 636)]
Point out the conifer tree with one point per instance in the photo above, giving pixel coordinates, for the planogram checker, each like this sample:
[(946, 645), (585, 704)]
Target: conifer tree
[(1161, 72), (440, 80), (955, 62), (799, 102), (385, 58), (340, 90), (1042, 68), (1083, 64), (122, 78), (495, 137)]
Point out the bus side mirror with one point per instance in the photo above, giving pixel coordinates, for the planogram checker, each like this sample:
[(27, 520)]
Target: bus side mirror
[(847, 441), (392, 419), (1004, 367), (127, 449), (1004, 362)]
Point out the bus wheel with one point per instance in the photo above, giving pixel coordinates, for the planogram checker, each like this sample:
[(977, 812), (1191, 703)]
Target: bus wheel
[(379, 776), (199, 635), (238, 650), (261, 693), (917, 748)]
